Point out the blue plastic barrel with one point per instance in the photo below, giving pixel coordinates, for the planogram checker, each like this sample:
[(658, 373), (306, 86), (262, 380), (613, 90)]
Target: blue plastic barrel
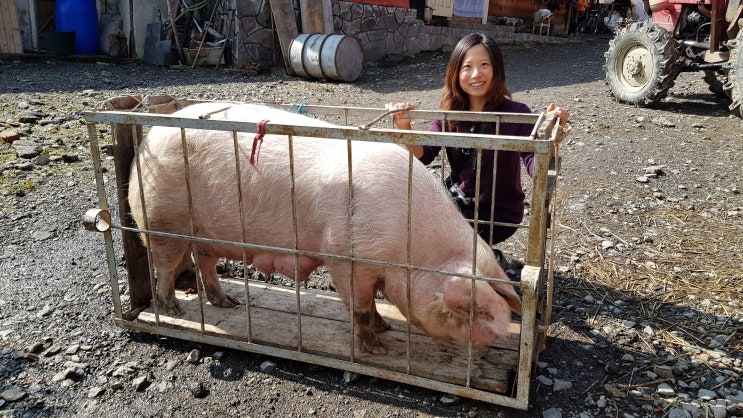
[(81, 17)]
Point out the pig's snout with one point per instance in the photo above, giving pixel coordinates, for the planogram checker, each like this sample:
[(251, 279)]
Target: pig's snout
[(491, 312)]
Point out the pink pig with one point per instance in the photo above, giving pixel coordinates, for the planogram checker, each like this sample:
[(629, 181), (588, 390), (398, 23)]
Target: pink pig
[(441, 238)]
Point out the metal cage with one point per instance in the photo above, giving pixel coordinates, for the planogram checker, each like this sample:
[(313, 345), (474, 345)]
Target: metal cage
[(311, 325)]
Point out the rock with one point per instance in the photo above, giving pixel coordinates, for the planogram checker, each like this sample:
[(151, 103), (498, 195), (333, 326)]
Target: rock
[(198, 389), (552, 413), (12, 394), (172, 364), (140, 383), (350, 377), (706, 394), (654, 170), (95, 392), (193, 356), (679, 413), (718, 411), (23, 166), (448, 399), (70, 157), (35, 348), (665, 372), (561, 385), (9, 136), (664, 389), (42, 236), (29, 118), (27, 149), (611, 367), (545, 380), (268, 367), (664, 123)]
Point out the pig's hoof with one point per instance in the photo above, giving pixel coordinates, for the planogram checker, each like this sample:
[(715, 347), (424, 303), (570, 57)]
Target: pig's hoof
[(371, 344), (225, 302), (171, 307), (378, 350)]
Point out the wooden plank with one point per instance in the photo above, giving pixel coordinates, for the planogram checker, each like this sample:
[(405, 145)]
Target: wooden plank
[(10, 33), (134, 251), (326, 331), (286, 27), (443, 8), (317, 16)]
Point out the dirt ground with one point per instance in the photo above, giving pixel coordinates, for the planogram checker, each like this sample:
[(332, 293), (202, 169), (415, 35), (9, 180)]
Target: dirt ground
[(647, 316)]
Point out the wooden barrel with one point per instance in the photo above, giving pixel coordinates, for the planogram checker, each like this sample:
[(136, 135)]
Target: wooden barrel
[(333, 57)]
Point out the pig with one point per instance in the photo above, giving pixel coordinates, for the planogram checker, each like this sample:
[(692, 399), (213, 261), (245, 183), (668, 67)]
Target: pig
[(368, 220)]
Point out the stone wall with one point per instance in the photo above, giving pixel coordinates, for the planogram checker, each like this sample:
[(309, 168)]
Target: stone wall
[(384, 32)]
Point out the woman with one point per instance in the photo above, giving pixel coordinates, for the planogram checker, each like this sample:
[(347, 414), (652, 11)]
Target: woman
[(476, 81)]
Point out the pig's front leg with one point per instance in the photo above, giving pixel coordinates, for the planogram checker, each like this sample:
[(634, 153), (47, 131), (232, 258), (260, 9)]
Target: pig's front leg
[(214, 293), (366, 319), (365, 329)]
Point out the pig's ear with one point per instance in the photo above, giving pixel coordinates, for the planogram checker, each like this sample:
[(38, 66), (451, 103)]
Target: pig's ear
[(508, 293)]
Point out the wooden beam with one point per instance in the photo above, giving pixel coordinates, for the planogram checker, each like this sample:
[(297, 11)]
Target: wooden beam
[(286, 27), (10, 33)]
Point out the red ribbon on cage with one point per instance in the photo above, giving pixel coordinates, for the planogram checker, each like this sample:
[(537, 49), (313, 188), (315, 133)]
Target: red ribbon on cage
[(257, 142)]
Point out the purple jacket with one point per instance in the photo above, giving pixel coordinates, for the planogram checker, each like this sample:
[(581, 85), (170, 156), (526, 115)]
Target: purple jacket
[(509, 202)]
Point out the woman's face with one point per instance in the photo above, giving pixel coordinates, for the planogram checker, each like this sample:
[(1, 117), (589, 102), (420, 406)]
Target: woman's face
[(476, 75)]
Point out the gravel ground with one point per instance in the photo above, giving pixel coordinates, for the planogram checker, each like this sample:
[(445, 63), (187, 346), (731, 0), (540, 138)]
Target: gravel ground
[(647, 320)]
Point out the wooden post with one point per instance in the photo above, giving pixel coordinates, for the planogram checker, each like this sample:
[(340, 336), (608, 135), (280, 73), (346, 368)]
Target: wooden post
[(317, 16), (135, 252), (286, 27), (10, 33)]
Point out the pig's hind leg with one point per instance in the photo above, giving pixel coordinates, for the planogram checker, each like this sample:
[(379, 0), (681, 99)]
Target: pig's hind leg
[(167, 256), (378, 323)]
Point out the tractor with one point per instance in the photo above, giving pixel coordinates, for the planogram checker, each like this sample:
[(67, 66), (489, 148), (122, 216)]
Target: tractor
[(645, 57)]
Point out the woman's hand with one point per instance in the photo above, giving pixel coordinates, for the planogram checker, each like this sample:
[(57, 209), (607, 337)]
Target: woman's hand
[(397, 118), (404, 123), (561, 113), (563, 130)]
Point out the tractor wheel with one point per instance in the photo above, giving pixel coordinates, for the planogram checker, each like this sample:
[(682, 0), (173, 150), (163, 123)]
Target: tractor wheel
[(715, 79), (641, 64), (734, 69)]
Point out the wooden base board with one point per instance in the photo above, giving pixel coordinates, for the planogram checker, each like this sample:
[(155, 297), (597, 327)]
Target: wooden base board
[(326, 331)]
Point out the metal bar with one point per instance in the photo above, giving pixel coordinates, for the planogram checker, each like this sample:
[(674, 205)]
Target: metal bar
[(409, 250), (312, 254), (293, 191), (238, 182), (103, 203), (194, 250), (443, 139), (352, 296)]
